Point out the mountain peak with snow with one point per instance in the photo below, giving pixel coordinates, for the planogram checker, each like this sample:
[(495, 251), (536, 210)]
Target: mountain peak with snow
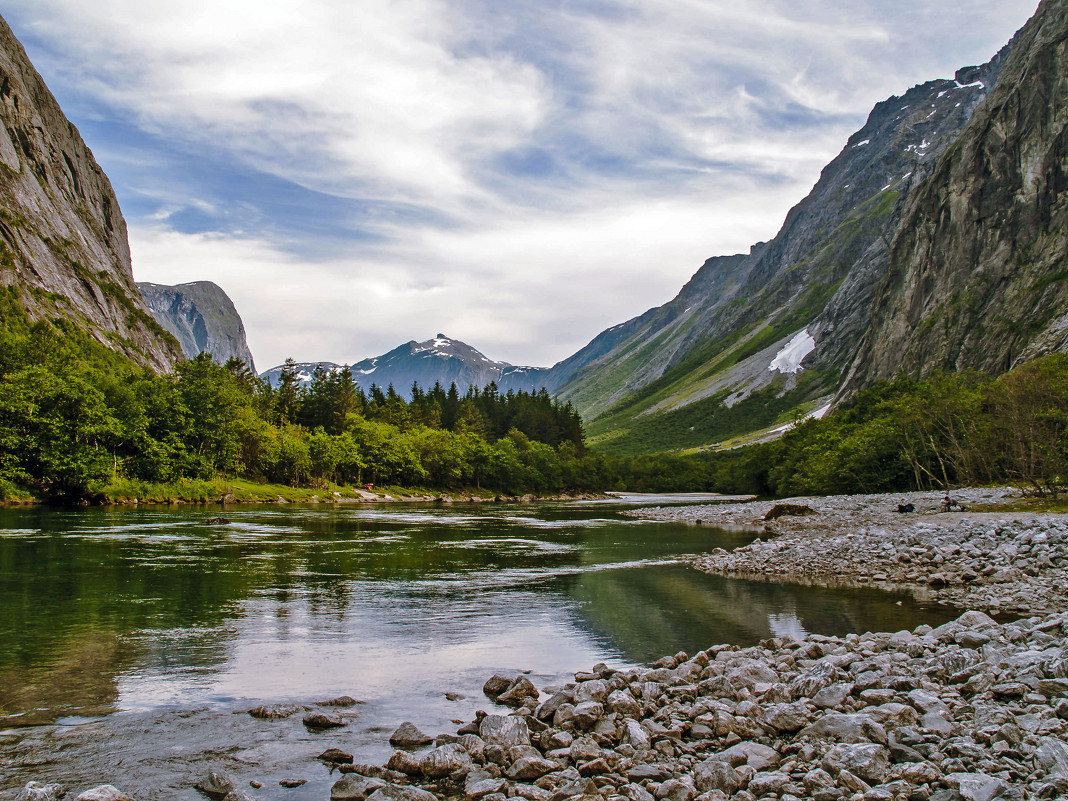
[(440, 360)]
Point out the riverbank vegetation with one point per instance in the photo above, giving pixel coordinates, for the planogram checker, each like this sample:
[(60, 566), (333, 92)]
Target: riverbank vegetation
[(77, 421), (956, 429)]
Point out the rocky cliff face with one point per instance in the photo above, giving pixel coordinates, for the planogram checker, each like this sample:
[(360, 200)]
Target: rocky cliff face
[(978, 273), (62, 237), (201, 317), (736, 327)]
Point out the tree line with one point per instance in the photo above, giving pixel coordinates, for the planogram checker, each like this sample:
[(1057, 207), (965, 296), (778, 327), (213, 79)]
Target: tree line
[(952, 430), (75, 415)]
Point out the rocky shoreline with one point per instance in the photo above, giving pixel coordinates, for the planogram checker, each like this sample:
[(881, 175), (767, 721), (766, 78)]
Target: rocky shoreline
[(1000, 562), (973, 710), (970, 711)]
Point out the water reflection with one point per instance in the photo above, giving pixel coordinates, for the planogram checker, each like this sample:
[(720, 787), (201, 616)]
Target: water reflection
[(140, 609)]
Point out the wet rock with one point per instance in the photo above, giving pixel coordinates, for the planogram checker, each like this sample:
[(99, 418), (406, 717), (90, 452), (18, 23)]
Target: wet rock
[(292, 783), (519, 691), (239, 795), (323, 720), (38, 791), (274, 711), (335, 755), (529, 768), (504, 731), (215, 785), (342, 701), (446, 759), (105, 792), (392, 792), (403, 762), (496, 684), (408, 736)]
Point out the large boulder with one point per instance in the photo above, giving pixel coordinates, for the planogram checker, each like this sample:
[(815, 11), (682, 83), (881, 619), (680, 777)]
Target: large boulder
[(855, 728), (215, 785), (529, 768), (392, 792), (38, 791), (504, 731), (869, 761), (446, 759), (354, 787), (409, 736), (717, 774), (105, 792)]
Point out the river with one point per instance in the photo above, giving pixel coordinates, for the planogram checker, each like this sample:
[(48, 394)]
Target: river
[(135, 639)]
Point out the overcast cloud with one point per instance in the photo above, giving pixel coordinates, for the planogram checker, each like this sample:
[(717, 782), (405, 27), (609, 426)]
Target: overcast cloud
[(519, 175)]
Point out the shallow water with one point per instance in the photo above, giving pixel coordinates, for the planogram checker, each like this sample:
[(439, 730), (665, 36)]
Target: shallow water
[(135, 639)]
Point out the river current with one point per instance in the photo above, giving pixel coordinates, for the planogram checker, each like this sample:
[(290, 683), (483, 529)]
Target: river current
[(136, 639)]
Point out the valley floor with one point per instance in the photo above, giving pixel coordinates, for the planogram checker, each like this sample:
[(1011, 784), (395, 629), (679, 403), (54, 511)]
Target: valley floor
[(1000, 553)]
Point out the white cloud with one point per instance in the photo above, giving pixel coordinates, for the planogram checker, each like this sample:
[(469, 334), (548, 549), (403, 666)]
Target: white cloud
[(670, 130)]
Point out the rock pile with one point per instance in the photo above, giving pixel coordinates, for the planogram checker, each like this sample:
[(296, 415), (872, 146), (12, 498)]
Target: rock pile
[(998, 562), (971, 710)]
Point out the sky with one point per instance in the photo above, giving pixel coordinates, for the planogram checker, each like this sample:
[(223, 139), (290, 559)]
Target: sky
[(520, 175)]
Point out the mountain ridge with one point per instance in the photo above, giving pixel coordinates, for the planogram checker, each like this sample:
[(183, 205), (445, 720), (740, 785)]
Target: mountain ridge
[(438, 360), (202, 317)]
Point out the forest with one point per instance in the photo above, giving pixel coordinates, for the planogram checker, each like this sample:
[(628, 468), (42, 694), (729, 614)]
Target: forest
[(76, 418), (952, 430)]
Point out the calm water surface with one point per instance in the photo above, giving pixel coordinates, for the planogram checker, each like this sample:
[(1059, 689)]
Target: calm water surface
[(176, 626)]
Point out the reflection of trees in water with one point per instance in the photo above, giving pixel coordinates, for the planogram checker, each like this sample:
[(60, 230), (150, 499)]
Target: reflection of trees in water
[(654, 611), (79, 678), (70, 600)]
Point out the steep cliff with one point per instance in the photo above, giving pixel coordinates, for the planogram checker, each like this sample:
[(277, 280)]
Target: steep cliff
[(201, 317), (774, 328), (63, 240), (978, 273)]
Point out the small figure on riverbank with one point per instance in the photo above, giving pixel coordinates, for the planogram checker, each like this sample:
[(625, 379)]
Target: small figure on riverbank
[(949, 504)]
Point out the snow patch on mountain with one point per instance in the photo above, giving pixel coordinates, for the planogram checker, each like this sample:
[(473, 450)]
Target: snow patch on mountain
[(788, 360)]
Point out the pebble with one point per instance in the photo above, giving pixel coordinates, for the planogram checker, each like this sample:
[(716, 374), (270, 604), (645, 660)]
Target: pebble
[(908, 721)]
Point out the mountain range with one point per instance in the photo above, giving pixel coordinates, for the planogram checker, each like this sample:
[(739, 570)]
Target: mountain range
[(935, 240), (438, 360)]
